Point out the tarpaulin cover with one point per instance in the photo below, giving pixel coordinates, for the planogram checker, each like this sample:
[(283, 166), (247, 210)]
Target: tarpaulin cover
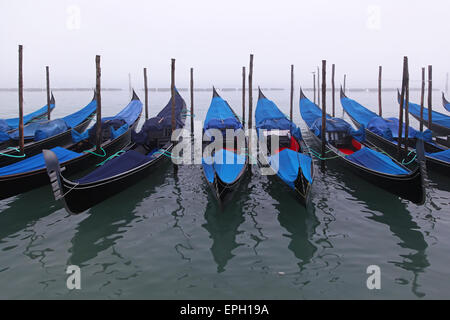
[(287, 164), (227, 164), (388, 128), (74, 119), (50, 129), (131, 112), (37, 162), (361, 114), (312, 115), (374, 160), (4, 127), (53, 127), (220, 116), (4, 136), (115, 126), (310, 112), (162, 121), (127, 161), (46, 127), (436, 117), (442, 155), (269, 117), (338, 125), (13, 123)]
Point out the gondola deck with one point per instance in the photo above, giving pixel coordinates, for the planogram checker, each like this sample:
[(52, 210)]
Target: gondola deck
[(389, 175), (86, 192), (225, 169), (31, 173)]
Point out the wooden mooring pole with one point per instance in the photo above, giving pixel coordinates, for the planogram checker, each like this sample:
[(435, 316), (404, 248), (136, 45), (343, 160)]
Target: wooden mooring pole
[(407, 107), (324, 107), (172, 90), (430, 92), (380, 107), (250, 94), (146, 93), (292, 93), (99, 103), (345, 80), (243, 97), (192, 101), (318, 86), (401, 104), (47, 71), (314, 85), (333, 98), (422, 99), (21, 137)]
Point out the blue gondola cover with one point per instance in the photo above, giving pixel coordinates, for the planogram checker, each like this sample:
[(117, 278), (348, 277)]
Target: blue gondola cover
[(436, 117), (127, 161), (286, 164), (37, 162), (13, 123), (269, 117), (227, 164), (371, 159), (220, 116), (442, 155), (162, 122)]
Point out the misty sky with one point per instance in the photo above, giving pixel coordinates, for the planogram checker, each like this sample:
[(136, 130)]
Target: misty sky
[(216, 37)]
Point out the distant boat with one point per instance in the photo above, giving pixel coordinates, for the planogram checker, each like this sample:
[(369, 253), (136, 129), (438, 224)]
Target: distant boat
[(45, 134), (291, 162), (348, 146), (150, 148), (9, 125), (225, 169), (80, 155)]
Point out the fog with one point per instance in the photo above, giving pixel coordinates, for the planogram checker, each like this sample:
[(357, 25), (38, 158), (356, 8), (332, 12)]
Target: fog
[(216, 38)]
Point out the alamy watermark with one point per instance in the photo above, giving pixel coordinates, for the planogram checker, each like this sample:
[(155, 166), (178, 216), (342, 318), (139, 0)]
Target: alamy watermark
[(74, 278), (374, 280)]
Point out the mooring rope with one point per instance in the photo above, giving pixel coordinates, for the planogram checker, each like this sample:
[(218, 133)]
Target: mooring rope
[(118, 153), (96, 154), (11, 155)]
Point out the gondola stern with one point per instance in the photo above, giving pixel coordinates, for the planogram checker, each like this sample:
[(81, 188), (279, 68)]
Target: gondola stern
[(54, 173), (342, 93), (135, 96), (261, 94)]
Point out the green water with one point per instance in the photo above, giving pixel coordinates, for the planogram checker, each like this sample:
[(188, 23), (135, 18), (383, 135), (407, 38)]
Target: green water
[(165, 237)]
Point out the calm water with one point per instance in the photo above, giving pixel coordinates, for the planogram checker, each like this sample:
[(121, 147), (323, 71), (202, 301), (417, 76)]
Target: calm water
[(166, 237)]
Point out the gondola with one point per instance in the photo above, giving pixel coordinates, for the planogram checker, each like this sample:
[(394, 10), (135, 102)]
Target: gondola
[(440, 123), (149, 149), (80, 155), (290, 161), (225, 166), (383, 133), (445, 103), (348, 146), (46, 134), (9, 125)]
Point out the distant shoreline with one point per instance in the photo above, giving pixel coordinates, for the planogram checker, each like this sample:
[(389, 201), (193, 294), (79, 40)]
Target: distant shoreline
[(202, 89)]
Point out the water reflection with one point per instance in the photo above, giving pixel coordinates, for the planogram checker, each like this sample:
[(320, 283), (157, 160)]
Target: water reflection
[(223, 225), (107, 222), (391, 211), (25, 209)]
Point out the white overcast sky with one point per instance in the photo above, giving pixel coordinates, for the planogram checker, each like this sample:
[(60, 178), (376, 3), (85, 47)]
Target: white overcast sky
[(216, 37)]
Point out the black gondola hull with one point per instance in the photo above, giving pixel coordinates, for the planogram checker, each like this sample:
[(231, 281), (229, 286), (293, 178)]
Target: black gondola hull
[(409, 187), (19, 183), (34, 148), (79, 198), (392, 149)]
